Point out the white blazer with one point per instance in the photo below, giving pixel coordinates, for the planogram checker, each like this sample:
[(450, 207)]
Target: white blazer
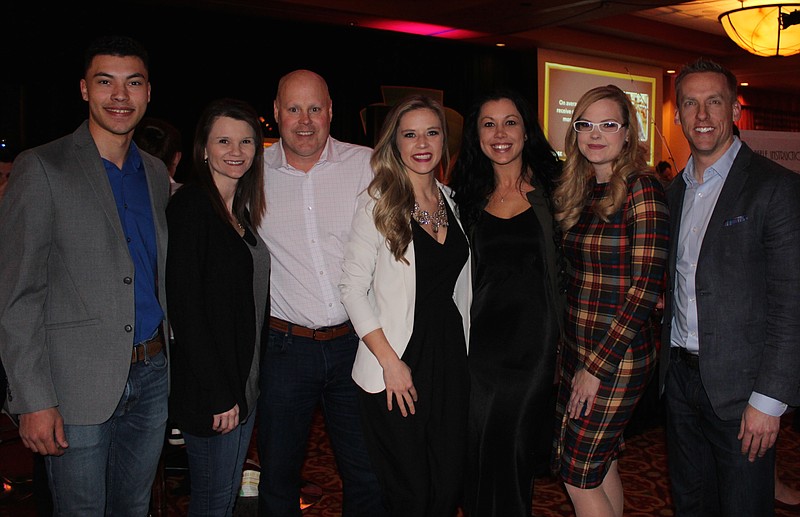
[(379, 291)]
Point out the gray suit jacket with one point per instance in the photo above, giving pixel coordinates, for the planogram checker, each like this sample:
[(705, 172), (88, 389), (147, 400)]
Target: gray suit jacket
[(66, 280), (748, 286)]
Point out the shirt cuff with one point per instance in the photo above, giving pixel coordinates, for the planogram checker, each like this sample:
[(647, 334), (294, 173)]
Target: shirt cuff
[(767, 405)]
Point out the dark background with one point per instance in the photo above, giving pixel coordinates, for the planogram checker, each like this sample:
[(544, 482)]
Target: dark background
[(197, 55)]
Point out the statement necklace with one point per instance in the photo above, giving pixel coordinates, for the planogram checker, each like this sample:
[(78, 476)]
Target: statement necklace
[(439, 217)]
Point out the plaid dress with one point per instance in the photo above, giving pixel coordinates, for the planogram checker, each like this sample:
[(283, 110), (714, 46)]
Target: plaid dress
[(615, 278)]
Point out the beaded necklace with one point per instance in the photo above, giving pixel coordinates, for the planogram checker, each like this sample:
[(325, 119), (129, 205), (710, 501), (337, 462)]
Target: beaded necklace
[(439, 217)]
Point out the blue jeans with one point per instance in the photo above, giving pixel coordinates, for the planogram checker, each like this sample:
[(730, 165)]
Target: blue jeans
[(296, 374), (709, 475), (215, 469), (108, 468)]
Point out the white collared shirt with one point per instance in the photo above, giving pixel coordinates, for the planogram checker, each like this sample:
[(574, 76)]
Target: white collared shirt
[(307, 223)]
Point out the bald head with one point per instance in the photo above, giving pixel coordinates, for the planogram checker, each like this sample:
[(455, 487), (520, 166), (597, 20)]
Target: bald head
[(302, 79), (303, 111)]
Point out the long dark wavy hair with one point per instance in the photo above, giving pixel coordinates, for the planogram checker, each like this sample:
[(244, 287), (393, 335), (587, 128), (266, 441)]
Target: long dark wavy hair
[(250, 189), (472, 177)]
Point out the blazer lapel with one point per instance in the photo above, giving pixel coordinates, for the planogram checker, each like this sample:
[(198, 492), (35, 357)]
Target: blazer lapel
[(731, 190), (92, 166), (675, 195)]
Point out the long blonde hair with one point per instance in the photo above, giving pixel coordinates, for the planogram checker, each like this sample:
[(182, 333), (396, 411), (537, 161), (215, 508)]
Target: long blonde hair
[(573, 188), (391, 187)]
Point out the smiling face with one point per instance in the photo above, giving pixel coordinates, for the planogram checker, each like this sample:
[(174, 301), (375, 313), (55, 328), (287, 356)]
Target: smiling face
[(303, 111), (420, 141), (501, 132), (230, 149), (706, 111), (599, 148), (117, 90)]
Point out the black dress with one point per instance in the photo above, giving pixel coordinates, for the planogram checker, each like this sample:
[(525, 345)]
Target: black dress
[(419, 459), (511, 363)]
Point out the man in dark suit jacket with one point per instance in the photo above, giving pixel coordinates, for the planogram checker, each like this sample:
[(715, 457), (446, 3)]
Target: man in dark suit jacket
[(731, 326), (82, 255)]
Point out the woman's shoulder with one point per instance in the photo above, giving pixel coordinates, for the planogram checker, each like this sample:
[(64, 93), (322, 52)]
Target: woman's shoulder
[(192, 192), (644, 180), (643, 177), (645, 187), (189, 197)]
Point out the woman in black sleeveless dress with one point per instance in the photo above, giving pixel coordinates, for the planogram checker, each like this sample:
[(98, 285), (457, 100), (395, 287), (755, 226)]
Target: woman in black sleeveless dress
[(406, 287), (502, 182)]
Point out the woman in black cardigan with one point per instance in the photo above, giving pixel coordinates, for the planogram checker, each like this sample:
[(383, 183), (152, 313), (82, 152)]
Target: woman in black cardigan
[(217, 294)]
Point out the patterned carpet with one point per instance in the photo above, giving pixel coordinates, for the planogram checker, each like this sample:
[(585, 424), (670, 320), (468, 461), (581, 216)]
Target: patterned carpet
[(642, 466)]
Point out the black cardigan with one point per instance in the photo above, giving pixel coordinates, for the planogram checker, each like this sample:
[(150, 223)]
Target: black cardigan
[(209, 281)]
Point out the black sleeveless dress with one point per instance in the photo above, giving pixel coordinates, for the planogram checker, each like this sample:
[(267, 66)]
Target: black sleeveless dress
[(419, 459), (511, 363)]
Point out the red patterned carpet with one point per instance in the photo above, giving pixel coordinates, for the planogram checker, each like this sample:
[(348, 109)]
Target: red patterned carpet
[(643, 469), (642, 466)]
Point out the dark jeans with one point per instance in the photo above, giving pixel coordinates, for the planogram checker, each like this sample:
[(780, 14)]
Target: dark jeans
[(710, 477), (215, 469), (108, 468), (297, 374)]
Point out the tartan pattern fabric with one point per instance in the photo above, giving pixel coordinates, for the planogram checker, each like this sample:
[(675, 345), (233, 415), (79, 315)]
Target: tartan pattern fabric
[(615, 278)]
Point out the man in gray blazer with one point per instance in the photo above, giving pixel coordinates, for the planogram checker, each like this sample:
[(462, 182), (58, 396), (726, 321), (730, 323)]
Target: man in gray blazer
[(82, 254), (731, 344)]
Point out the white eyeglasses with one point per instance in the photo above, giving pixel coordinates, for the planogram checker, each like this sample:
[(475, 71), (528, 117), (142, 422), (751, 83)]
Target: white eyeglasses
[(584, 126)]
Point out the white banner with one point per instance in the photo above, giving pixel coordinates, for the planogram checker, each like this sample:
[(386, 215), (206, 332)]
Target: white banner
[(779, 146)]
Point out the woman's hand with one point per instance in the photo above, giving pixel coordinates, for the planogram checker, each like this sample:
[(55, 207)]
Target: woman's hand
[(584, 390), (399, 384), (226, 422)]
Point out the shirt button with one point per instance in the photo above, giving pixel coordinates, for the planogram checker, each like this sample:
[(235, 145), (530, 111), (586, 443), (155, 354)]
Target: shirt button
[(128, 328), (128, 280)]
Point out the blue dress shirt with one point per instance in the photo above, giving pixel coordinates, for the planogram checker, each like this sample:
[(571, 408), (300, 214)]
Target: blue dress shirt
[(132, 196)]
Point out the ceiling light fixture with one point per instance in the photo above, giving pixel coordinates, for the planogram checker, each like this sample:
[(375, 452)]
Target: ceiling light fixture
[(764, 30)]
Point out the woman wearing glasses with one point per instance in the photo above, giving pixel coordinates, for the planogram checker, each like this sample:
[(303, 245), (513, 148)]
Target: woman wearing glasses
[(615, 222)]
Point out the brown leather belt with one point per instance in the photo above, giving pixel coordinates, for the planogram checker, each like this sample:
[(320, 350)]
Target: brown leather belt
[(147, 349), (320, 334), (691, 360)]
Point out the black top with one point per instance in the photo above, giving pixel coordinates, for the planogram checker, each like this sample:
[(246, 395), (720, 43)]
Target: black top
[(513, 342), (211, 309)]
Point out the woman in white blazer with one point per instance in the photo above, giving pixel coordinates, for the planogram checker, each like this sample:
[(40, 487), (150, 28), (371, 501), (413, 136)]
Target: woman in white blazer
[(406, 286)]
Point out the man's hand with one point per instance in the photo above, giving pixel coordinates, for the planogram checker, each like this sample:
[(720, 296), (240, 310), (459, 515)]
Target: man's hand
[(43, 432), (758, 432)]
